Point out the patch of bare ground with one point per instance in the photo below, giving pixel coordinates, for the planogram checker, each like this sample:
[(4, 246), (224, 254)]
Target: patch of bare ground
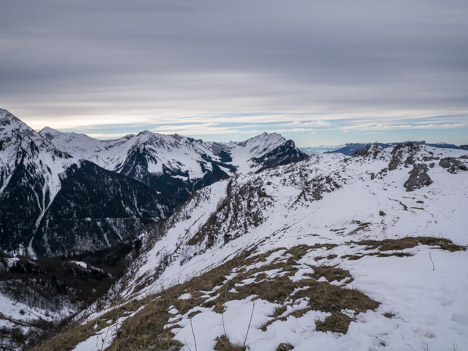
[(393, 247), (360, 227), (410, 242)]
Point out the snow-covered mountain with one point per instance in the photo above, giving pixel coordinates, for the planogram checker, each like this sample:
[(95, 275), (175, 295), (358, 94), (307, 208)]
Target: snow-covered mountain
[(66, 193), (52, 202), (61, 192), (154, 158), (176, 164), (30, 169), (334, 252)]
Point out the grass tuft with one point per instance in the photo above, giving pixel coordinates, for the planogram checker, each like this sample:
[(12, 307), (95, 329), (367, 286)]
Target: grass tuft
[(337, 323), (223, 344)]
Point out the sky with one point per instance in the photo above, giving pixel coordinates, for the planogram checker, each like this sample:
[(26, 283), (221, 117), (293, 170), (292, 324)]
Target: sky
[(319, 72)]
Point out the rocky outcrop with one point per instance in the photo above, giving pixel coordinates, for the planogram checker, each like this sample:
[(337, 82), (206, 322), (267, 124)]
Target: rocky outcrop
[(282, 155), (399, 152), (453, 165), (372, 151), (418, 178)]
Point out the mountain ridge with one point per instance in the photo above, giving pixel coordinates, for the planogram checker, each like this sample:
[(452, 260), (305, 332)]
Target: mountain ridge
[(351, 148), (34, 166)]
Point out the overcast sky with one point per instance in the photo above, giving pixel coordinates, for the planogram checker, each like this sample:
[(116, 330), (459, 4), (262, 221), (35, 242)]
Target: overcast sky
[(319, 72)]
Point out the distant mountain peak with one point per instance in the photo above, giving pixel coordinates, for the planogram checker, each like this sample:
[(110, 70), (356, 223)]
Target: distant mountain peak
[(263, 141), (5, 114), (265, 136), (350, 149), (146, 132), (49, 131), (6, 118)]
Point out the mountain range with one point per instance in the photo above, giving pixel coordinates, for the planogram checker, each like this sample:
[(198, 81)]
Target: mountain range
[(351, 148), (65, 192)]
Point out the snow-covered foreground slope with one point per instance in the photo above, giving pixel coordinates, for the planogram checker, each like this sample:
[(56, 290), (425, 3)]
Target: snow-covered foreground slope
[(335, 253)]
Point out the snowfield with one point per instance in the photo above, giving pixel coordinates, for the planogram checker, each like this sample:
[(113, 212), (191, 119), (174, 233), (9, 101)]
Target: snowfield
[(392, 244)]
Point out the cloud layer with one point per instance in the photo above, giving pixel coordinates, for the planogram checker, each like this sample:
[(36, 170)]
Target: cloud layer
[(314, 69)]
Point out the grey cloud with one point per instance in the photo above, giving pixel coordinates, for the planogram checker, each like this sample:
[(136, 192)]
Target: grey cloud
[(95, 56)]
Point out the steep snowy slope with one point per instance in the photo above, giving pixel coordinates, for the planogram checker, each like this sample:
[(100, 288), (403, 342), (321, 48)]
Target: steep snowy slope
[(45, 197), (335, 252), (30, 169), (329, 195)]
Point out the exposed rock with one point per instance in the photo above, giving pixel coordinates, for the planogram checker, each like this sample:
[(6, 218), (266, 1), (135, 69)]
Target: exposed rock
[(284, 347), (418, 178), (453, 165), (397, 155), (409, 160), (370, 150), (395, 161), (282, 155)]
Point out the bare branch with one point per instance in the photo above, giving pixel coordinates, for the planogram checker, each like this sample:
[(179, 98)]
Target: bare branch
[(248, 328)]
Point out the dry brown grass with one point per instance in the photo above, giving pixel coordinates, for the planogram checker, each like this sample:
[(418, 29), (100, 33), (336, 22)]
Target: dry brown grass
[(337, 322), (322, 296), (331, 273), (74, 333), (395, 245), (361, 226), (148, 329), (223, 344), (410, 242)]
